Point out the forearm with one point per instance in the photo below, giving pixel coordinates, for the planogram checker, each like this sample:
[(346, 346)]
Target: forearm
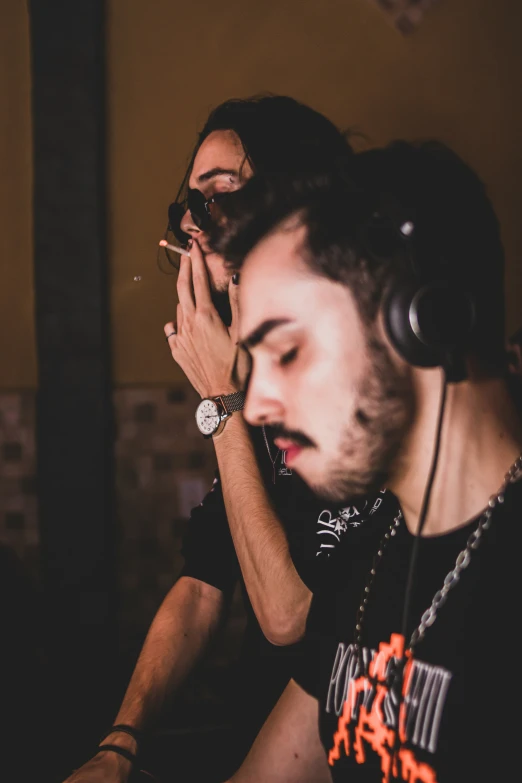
[(279, 597), (178, 636), (288, 748)]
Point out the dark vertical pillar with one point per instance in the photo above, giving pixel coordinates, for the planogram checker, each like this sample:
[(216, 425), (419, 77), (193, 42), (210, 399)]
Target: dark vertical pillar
[(74, 410)]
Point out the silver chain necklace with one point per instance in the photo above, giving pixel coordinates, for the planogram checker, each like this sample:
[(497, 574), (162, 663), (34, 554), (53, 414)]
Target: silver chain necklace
[(274, 460), (462, 562)]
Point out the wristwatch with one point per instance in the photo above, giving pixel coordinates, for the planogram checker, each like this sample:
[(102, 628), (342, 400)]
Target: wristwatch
[(212, 412)]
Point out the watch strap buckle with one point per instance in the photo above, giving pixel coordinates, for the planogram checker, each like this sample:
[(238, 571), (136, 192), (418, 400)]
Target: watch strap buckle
[(221, 400)]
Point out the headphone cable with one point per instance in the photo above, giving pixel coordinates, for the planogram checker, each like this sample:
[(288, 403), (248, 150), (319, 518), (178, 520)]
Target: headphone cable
[(424, 509), (415, 553)]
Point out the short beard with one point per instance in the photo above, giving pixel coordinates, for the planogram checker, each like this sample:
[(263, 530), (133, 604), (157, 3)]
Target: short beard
[(383, 414)]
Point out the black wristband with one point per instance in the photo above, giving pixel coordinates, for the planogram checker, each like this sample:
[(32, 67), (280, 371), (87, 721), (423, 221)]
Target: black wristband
[(126, 729), (122, 752)]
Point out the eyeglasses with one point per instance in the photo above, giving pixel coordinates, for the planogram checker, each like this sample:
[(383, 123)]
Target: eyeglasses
[(203, 212)]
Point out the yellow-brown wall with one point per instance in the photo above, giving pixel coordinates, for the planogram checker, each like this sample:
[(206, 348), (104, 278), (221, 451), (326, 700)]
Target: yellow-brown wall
[(458, 78)]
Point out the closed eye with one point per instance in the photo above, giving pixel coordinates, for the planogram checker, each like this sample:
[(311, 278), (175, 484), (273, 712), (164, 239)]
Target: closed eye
[(288, 357)]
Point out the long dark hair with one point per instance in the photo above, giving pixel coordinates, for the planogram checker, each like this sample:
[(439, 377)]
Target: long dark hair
[(279, 134)]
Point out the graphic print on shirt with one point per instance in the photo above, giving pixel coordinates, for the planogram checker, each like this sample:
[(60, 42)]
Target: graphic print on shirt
[(330, 528), (284, 470), (370, 710)]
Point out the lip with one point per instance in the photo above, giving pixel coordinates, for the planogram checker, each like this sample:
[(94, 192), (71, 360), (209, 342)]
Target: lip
[(291, 450)]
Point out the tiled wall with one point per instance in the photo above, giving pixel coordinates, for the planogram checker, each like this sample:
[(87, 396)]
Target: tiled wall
[(163, 469), (18, 502)]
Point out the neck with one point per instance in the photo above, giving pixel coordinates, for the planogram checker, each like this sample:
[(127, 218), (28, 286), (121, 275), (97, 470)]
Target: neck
[(481, 438)]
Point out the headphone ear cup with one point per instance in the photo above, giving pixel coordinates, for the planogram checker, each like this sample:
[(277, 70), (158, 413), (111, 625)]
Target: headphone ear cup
[(400, 332), (429, 324)]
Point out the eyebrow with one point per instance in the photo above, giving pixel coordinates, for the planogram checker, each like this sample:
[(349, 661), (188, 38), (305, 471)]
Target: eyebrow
[(217, 172), (260, 332)]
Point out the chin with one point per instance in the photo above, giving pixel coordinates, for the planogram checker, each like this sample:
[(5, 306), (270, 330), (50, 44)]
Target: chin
[(335, 485), (312, 471)]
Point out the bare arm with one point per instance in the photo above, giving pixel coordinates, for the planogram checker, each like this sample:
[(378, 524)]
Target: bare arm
[(205, 349), (279, 597), (178, 636), (288, 748)]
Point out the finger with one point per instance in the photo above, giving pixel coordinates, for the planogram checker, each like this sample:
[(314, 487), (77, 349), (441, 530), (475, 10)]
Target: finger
[(179, 318), (200, 279), (184, 286), (170, 333), (233, 295)]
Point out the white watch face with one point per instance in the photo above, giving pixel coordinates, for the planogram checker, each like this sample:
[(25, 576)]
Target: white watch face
[(207, 417)]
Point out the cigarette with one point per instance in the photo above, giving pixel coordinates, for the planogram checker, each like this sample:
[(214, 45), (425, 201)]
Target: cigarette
[(180, 250)]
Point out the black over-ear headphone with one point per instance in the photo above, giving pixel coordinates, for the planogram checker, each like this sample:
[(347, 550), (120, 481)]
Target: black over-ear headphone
[(428, 316)]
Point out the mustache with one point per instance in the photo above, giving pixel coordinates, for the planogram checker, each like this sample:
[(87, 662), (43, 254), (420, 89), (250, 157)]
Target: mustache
[(297, 437)]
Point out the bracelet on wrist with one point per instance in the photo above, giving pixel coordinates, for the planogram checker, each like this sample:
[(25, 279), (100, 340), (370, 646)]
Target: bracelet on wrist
[(120, 751), (125, 729)]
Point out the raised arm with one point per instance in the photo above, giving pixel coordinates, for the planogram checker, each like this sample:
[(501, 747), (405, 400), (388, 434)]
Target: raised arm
[(288, 748), (205, 349), (279, 597)]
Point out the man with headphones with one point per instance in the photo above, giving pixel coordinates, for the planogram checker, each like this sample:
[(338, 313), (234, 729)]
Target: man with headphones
[(372, 304)]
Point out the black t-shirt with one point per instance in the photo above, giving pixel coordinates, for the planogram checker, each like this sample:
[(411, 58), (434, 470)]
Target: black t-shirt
[(313, 531), (460, 712)]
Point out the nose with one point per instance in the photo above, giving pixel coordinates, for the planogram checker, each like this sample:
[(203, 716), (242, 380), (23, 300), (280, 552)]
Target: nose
[(188, 226), (264, 402)]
